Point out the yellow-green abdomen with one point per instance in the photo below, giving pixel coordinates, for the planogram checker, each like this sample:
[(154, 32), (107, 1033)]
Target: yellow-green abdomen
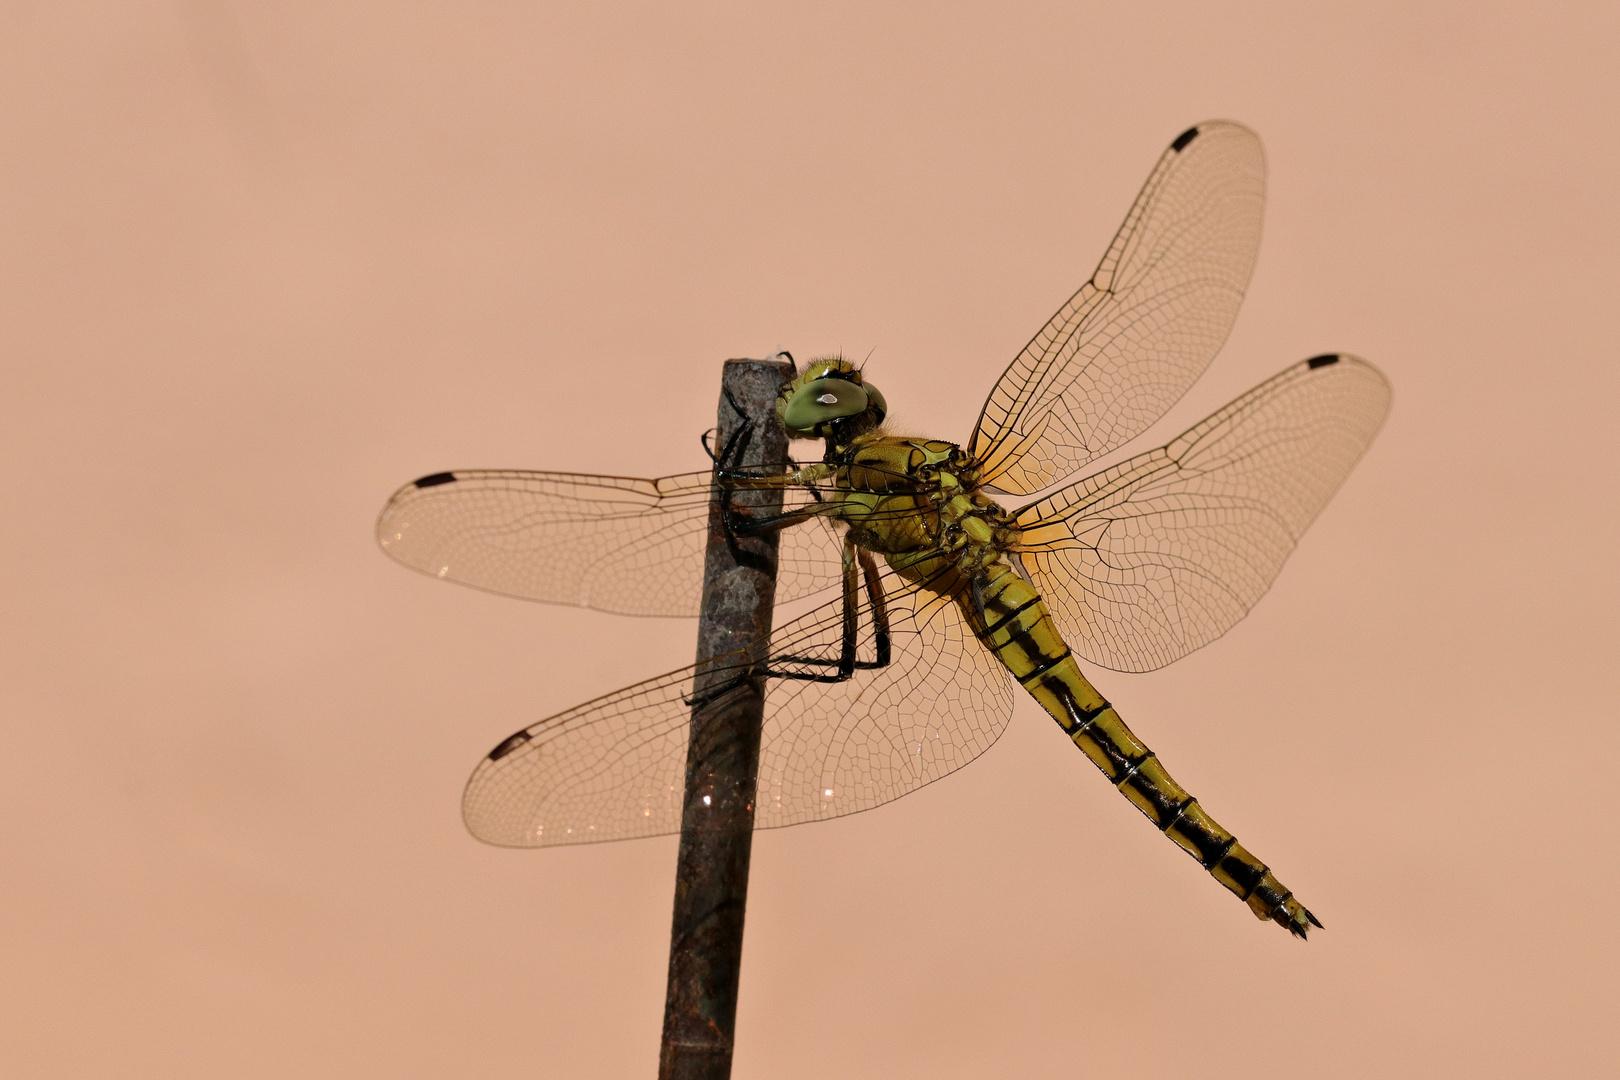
[(1016, 627)]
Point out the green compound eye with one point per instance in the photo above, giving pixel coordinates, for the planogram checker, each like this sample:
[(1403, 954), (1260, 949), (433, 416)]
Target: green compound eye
[(875, 398), (823, 400)]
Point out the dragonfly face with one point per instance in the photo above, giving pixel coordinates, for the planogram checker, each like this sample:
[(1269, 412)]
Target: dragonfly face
[(831, 400), (936, 599)]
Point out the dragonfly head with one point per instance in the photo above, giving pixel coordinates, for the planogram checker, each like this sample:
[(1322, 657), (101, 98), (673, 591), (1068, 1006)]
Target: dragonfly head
[(830, 400)]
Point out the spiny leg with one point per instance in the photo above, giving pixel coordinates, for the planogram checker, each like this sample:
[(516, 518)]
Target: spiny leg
[(880, 611), (847, 662), (737, 445), (739, 522), (857, 562), (742, 414)]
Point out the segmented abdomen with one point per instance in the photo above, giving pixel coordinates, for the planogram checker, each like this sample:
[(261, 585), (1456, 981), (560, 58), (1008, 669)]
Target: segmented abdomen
[(1016, 627)]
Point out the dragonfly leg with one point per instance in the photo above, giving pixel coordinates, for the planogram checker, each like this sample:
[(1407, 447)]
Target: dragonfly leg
[(747, 671), (880, 612), (737, 445), (745, 431), (858, 562), (739, 523)]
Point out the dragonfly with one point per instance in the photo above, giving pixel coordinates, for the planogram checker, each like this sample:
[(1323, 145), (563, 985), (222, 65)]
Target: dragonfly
[(929, 602)]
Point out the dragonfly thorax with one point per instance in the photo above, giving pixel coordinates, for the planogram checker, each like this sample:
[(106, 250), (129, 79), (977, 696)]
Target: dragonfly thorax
[(919, 497)]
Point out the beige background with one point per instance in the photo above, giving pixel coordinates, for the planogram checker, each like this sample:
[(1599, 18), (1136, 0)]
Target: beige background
[(262, 263)]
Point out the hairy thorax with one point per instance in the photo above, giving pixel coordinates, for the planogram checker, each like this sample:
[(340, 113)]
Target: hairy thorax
[(917, 501)]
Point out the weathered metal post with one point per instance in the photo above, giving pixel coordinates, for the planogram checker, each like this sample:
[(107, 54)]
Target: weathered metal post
[(722, 756)]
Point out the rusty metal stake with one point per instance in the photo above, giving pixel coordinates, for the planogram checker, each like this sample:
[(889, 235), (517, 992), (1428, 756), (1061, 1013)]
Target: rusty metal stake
[(722, 756)]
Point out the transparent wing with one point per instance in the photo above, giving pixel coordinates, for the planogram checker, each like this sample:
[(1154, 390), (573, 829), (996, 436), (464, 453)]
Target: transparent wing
[(1147, 561), (1136, 336), (613, 768), (616, 544)]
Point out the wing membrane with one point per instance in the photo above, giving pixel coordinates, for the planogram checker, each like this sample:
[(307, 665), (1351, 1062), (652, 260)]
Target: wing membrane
[(616, 544), (1135, 337), (614, 768), (1147, 561)]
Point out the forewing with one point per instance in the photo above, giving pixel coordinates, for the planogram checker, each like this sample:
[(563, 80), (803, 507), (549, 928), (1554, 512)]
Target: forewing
[(614, 768), (616, 544), (1135, 337), (1149, 560)]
